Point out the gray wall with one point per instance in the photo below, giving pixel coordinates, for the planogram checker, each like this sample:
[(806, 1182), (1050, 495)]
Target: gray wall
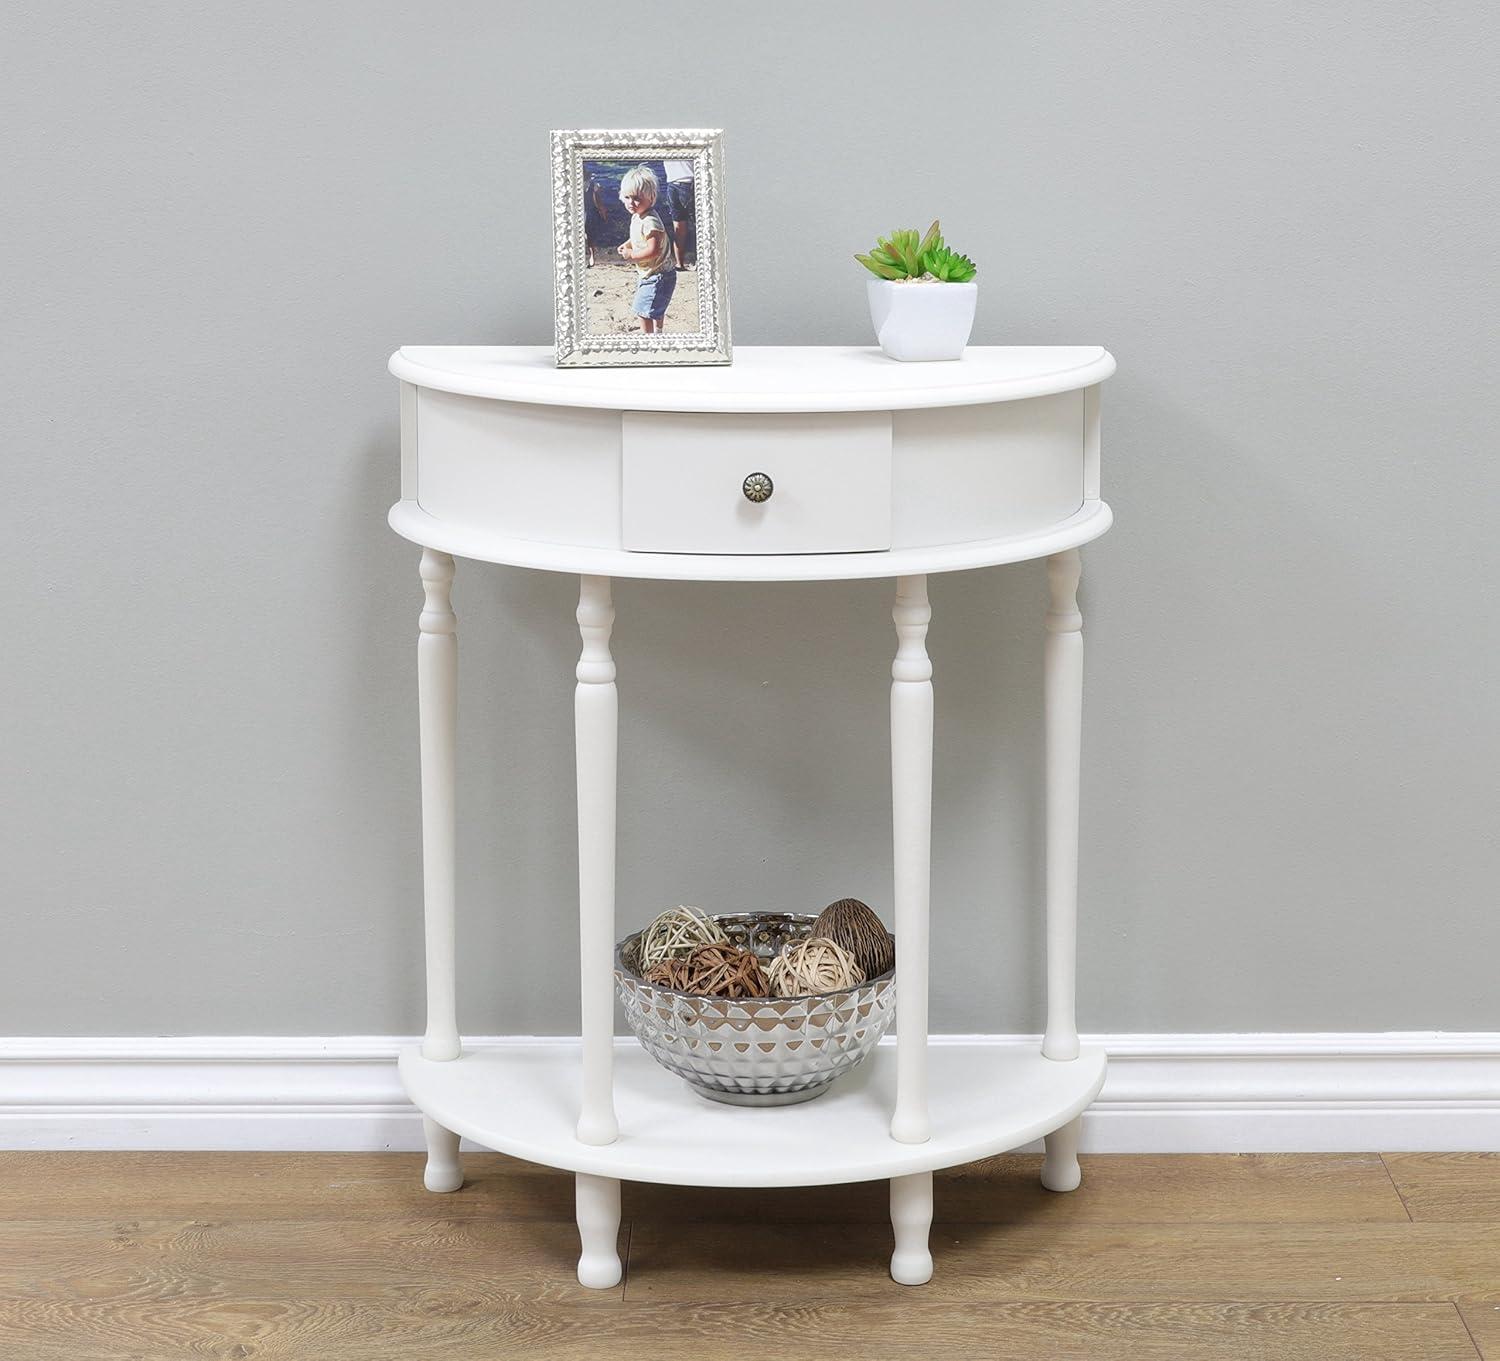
[(219, 220)]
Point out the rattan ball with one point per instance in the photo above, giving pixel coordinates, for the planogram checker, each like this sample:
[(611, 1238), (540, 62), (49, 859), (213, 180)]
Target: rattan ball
[(724, 971), (855, 926), (668, 973), (676, 933), (813, 964)]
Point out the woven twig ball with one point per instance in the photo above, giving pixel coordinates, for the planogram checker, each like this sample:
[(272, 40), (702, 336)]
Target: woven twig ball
[(724, 971), (675, 934), (813, 964), (668, 973), (855, 926)]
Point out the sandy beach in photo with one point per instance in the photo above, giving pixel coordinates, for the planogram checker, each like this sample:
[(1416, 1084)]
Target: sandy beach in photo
[(608, 289)]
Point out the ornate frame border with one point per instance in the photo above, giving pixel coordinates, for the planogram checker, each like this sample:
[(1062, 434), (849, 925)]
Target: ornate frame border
[(710, 344)]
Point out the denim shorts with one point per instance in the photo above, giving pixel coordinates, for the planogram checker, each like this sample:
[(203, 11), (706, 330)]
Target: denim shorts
[(680, 196), (653, 294)]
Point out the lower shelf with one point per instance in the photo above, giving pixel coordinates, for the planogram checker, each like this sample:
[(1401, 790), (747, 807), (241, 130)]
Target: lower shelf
[(522, 1099)]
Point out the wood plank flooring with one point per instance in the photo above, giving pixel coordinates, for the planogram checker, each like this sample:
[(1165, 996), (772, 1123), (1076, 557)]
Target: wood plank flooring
[(344, 1257)]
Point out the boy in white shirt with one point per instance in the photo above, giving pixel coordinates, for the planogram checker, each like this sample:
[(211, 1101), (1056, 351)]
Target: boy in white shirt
[(649, 249)]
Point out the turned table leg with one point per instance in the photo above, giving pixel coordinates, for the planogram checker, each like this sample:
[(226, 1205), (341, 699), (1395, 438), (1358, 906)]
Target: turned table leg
[(1064, 722), (437, 703), (598, 1202), (911, 817), (596, 727), (596, 713), (911, 1220), (1060, 1170), (444, 1171)]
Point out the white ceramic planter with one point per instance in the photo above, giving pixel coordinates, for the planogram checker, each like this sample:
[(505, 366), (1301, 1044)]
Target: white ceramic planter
[(922, 320)]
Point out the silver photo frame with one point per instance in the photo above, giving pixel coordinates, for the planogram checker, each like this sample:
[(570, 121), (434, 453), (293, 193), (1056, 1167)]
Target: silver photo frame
[(599, 293)]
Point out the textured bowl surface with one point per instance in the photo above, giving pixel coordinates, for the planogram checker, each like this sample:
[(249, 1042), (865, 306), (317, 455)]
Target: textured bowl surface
[(758, 1051)]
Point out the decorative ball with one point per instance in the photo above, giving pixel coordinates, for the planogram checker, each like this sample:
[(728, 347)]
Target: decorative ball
[(675, 934), (668, 973), (724, 971), (813, 964), (854, 926)]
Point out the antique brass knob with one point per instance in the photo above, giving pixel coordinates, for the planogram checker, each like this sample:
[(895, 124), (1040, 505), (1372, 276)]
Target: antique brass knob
[(758, 487)]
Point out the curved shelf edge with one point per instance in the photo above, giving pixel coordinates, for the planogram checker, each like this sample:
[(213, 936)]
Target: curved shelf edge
[(522, 1099), (411, 522), (763, 379)]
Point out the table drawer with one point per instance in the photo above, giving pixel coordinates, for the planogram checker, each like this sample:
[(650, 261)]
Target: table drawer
[(684, 482)]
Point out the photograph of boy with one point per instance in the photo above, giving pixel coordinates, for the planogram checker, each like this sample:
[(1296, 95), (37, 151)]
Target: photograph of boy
[(649, 248), (634, 248)]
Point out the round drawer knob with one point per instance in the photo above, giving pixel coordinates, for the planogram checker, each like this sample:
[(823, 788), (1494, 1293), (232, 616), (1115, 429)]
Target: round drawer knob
[(758, 487)]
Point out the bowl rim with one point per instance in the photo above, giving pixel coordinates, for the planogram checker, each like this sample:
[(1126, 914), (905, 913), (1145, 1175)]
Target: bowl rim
[(624, 970)]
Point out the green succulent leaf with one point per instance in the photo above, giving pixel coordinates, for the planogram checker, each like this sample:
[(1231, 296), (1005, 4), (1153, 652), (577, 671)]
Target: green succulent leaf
[(908, 254), (879, 268), (948, 266)]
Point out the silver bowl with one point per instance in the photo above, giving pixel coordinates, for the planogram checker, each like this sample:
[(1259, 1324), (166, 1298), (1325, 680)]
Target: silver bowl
[(755, 1051)]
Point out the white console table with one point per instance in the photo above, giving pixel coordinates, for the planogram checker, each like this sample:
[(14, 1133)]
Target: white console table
[(794, 464)]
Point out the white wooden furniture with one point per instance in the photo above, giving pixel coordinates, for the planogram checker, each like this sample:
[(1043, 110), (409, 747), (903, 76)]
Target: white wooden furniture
[(794, 464)]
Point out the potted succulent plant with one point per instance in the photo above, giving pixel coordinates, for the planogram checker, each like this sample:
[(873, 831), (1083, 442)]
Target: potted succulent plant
[(922, 297)]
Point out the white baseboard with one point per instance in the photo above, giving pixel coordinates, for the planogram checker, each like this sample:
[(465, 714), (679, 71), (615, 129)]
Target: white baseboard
[(1164, 1094)]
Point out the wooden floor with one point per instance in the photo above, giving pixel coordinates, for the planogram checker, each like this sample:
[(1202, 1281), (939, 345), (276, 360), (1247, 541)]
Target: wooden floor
[(343, 1257)]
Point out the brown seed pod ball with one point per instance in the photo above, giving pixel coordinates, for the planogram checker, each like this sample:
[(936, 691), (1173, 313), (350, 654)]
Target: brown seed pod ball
[(855, 926), (813, 964), (725, 971)]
